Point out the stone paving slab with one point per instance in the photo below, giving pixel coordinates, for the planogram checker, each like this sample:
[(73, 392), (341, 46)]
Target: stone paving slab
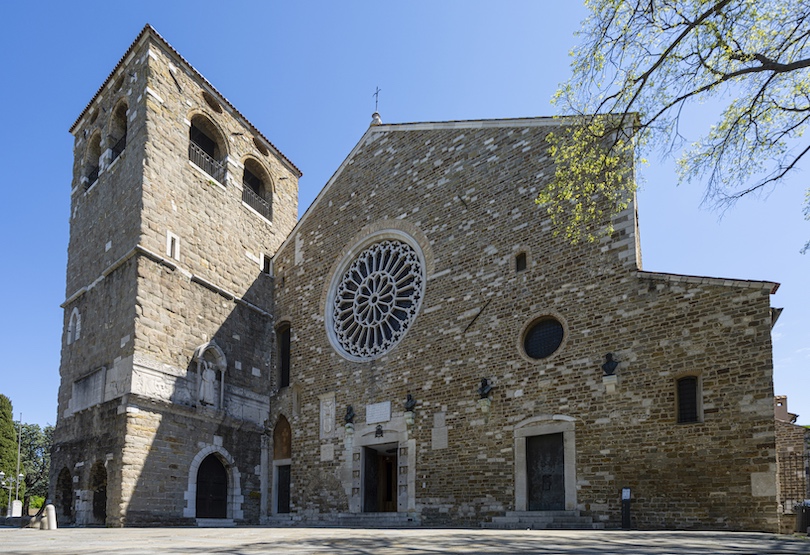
[(344, 541)]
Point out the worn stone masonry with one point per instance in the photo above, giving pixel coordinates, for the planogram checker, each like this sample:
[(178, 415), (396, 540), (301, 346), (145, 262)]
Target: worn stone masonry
[(420, 348), (168, 319)]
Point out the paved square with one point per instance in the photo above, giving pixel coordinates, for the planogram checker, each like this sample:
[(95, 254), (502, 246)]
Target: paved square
[(255, 540)]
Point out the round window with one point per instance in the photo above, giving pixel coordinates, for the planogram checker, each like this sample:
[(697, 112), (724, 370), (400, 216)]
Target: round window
[(543, 338), (375, 299)]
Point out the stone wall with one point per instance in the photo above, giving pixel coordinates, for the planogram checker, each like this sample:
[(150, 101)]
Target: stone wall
[(793, 458), (168, 268), (464, 192)]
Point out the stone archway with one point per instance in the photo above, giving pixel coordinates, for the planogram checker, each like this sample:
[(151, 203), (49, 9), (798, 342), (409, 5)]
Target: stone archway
[(233, 495), (64, 497), (98, 490)]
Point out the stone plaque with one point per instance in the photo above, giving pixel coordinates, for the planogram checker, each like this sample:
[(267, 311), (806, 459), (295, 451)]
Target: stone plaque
[(327, 415), (438, 438), (327, 452), (378, 412)]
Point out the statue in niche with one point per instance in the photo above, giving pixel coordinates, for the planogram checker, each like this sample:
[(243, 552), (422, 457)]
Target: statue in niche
[(349, 418), (410, 403), (208, 377), (609, 367)]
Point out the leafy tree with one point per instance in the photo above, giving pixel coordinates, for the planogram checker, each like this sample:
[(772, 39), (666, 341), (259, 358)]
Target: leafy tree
[(641, 63), (36, 460), (8, 444)]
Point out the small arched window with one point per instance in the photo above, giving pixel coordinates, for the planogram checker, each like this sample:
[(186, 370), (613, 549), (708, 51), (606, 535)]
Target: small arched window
[(689, 396), (205, 148), (520, 262), (256, 189), (74, 329), (91, 160), (118, 130)]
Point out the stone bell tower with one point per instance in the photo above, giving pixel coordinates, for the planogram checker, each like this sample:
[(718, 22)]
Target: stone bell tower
[(178, 204)]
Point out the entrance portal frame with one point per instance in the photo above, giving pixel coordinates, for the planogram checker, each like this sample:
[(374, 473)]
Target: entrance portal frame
[(234, 499), (394, 431), (538, 426)]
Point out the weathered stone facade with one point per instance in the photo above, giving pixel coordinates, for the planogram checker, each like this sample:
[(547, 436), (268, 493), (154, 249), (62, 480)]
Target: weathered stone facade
[(423, 268), (167, 277), (793, 462)]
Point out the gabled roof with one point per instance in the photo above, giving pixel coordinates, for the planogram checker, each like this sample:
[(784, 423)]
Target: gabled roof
[(380, 128), (149, 32)]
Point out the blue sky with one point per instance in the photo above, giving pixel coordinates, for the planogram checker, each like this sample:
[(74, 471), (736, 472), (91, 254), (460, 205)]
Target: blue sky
[(304, 73)]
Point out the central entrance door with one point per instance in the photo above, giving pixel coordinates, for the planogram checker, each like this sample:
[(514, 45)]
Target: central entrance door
[(380, 478), (545, 472), (212, 489)]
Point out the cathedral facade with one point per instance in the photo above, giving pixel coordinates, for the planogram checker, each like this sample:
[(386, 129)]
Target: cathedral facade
[(420, 348)]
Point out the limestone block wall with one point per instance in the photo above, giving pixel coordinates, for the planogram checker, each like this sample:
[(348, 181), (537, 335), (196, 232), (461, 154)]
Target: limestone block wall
[(105, 339), (89, 440), (164, 262), (793, 459), (464, 193), (220, 237), (163, 446), (105, 215)]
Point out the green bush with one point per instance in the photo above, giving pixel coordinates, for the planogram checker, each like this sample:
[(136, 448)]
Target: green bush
[(36, 501)]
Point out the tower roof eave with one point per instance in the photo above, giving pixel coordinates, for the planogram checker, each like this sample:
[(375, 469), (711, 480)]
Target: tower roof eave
[(149, 32)]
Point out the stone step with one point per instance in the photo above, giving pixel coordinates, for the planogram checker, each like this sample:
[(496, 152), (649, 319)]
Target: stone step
[(543, 520), (347, 520), (215, 523)]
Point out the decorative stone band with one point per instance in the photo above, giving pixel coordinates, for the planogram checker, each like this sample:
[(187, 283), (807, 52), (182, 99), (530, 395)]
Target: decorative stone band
[(170, 263)]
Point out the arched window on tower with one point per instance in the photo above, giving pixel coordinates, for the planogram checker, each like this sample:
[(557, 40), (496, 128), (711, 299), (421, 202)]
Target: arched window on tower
[(118, 130), (205, 148), (74, 329), (256, 189), (91, 161)]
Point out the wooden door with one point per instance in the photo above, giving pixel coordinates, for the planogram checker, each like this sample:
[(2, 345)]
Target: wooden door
[(545, 472), (212, 489)]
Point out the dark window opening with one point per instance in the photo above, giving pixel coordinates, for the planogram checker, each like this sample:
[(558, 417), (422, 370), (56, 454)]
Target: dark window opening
[(267, 265), (520, 262), (119, 131), (284, 356), (688, 400), (255, 190), (543, 338), (206, 143), (204, 151), (92, 161)]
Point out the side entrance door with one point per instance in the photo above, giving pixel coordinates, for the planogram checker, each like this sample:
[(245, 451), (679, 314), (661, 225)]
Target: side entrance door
[(283, 492), (212, 489), (545, 472)]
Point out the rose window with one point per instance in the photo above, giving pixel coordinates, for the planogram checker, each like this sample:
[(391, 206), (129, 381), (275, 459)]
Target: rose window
[(377, 299)]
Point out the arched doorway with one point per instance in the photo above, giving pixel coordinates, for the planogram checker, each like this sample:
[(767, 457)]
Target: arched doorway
[(212, 489), (64, 497), (282, 458), (98, 487)]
